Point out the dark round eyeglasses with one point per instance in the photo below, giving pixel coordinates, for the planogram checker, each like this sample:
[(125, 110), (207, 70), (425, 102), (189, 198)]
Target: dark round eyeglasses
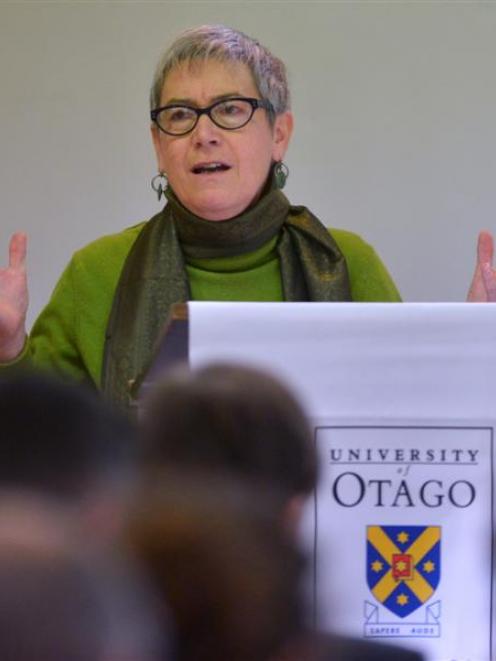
[(229, 114)]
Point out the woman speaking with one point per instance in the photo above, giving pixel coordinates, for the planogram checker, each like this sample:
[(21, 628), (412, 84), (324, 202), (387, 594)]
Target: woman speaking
[(221, 125)]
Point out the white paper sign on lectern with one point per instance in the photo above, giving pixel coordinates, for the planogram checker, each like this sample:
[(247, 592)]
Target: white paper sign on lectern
[(403, 406)]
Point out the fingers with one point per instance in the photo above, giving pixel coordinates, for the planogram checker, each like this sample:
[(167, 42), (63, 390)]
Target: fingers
[(483, 287), (489, 281), (17, 250), (477, 292), (485, 248)]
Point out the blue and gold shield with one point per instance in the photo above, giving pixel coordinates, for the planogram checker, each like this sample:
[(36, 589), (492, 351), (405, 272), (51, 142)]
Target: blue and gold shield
[(403, 565)]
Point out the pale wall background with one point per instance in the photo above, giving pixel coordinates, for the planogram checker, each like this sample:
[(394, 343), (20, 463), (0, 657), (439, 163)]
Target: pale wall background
[(395, 106)]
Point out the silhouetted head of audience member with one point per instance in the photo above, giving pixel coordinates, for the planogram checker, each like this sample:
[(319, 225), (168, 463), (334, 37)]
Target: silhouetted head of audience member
[(228, 571), (232, 418), (244, 423), (58, 437), (62, 602), (61, 440)]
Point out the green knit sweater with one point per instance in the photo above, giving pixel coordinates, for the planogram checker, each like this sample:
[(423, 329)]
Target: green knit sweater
[(69, 335)]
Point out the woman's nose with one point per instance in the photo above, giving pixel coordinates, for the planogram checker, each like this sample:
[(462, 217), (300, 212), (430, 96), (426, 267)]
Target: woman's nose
[(205, 131)]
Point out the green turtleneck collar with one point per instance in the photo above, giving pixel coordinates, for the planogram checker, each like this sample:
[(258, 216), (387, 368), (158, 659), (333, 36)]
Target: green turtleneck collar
[(237, 263)]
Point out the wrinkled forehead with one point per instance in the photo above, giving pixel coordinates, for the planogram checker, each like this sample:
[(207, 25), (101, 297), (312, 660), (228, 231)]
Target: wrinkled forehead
[(208, 79)]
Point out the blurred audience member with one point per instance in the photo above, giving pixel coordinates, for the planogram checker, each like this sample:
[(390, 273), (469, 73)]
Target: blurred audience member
[(61, 603), (246, 423), (61, 440), (235, 419), (228, 571)]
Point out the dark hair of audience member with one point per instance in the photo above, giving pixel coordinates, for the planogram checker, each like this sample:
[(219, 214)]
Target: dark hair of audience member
[(228, 571), (234, 418), (59, 438)]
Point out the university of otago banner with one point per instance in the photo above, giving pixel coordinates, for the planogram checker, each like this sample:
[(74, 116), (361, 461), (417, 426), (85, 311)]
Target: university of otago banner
[(403, 402), (403, 535)]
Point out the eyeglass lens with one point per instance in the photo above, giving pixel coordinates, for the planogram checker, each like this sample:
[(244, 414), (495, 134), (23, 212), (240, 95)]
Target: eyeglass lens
[(230, 114)]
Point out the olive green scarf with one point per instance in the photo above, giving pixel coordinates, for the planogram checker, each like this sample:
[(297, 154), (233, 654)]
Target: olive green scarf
[(154, 274)]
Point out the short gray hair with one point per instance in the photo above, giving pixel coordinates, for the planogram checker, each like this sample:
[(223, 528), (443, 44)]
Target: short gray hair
[(225, 44)]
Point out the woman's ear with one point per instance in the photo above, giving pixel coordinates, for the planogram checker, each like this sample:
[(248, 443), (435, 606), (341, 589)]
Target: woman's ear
[(283, 129), (156, 139)]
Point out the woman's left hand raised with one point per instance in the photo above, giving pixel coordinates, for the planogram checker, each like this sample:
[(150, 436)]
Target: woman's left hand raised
[(483, 286)]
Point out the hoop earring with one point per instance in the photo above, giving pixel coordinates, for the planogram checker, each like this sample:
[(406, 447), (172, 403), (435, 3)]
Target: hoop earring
[(159, 184), (281, 173)]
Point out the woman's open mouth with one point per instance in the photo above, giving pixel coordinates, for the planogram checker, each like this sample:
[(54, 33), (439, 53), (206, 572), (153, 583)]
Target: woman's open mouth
[(210, 168)]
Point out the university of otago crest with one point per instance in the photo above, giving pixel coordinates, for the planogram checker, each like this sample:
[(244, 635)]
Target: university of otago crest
[(403, 565)]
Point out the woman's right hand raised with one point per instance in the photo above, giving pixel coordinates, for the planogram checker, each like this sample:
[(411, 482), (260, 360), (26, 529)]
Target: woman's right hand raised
[(13, 300)]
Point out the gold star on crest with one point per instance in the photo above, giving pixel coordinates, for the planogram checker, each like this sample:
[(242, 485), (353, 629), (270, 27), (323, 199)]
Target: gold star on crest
[(403, 537), (377, 566), (402, 599), (429, 566)]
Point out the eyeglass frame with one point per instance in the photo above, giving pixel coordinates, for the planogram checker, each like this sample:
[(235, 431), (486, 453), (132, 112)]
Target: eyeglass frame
[(255, 104)]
